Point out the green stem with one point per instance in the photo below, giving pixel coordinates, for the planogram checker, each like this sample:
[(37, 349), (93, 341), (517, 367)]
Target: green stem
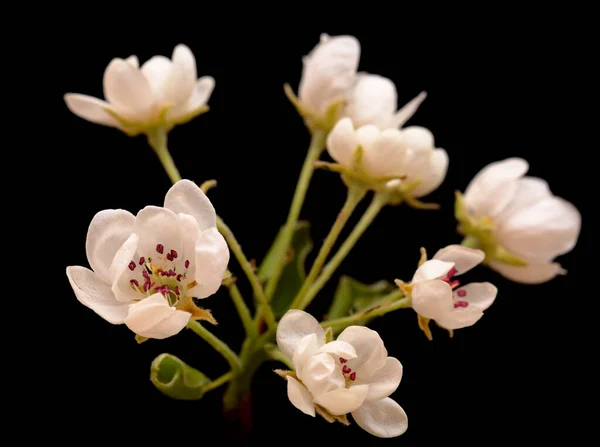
[(378, 202), (219, 381), (470, 242), (317, 144), (219, 346), (259, 294), (157, 139), (341, 323), (242, 308), (274, 353), (355, 195)]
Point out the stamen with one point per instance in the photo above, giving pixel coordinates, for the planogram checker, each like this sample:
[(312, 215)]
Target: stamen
[(461, 292), (353, 376), (142, 260), (176, 290), (187, 263), (461, 304), (169, 256), (135, 282), (451, 273), (179, 277), (172, 273), (131, 266), (192, 284), (343, 360), (346, 370), (174, 254), (160, 248), (454, 284)]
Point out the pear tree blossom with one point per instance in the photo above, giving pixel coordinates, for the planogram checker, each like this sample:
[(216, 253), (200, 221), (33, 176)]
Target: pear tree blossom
[(352, 374), (162, 92), (510, 212), (147, 268)]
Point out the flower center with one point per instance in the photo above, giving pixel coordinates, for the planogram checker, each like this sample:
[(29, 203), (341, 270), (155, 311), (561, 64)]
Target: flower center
[(160, 275), (461, 303), (349, 375), (449, 278)]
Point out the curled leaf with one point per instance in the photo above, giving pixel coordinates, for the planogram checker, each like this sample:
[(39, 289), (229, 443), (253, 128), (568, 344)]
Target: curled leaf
[(176, 379)]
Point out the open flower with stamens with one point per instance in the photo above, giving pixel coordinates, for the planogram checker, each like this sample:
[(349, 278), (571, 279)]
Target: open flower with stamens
[(147, 268), (374, 100), (437, 295), (352, 374), (375, 157), (162, 93), (518, 222)]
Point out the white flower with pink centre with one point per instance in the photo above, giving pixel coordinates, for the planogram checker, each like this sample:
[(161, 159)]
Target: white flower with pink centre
[(437, 295), (352, 374), (147, 268)]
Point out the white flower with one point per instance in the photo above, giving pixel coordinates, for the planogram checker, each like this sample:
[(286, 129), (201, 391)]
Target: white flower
[(148, 267), (391, 152), (436, 295), (374, 100), (162, 92), (350, 375), (526, 219), (329, 72)]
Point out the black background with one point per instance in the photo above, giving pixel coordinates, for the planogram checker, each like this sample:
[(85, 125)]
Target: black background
[(494, 91)]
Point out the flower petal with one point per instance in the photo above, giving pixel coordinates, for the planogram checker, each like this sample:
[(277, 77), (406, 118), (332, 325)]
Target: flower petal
[(93, 292), (91, 109), (418, 138), (133, 60), (126, 88), (366, 136), (406, 112), (339, 349), (386, 155), (295, 325), (530, 190), (384, 381), (460, 317), (383, 418), (182, 77), (300, 397), (343, 400), (154, 318), (479, 294), (529, 274), (306, 348), (370, 350), (186, 197), (329, 72), (432, 298), (541, 231), (342, 142), (120, 273), (157, 69), (320, 373), (200, 96), (155, 225), (432, 269), (373, 100), (492, 189), (212, 258), (464, 258), (434, 175), (107, 232)]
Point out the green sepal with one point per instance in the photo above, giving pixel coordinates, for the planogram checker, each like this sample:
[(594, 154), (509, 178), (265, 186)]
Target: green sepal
[(176, 379)]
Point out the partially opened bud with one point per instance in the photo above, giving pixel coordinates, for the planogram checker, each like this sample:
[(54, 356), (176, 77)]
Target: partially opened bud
[(176, 379)]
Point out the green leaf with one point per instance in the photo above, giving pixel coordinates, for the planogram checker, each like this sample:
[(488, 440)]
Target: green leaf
[(176, 379), (354, 296), (294, 273)]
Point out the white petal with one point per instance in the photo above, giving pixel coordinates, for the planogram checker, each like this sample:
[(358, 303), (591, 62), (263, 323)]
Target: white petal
[(492, 189), (157, 69), (464, 258), (418, 138), (373, 100), (295, 325), (432, 269), (406, 112), (320, 373), (107, 232), (200, 96), (529, 274), (155, 225), (91, 109), (154, 318), (329, 72), (190, 234), (339, 349), (300, 397), (530, 190), (370, 350), (126, 88), (182, 77), (120, 273), (367, 135), (212, 257), (541, 231), (479, 294), (343, 400), (386, 155), (186, 197), (93, 292), (306, 348), (460, 317), (133, 60), (434, 175), (342, 142), (384, 381), (432, 298), (383, 418)]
